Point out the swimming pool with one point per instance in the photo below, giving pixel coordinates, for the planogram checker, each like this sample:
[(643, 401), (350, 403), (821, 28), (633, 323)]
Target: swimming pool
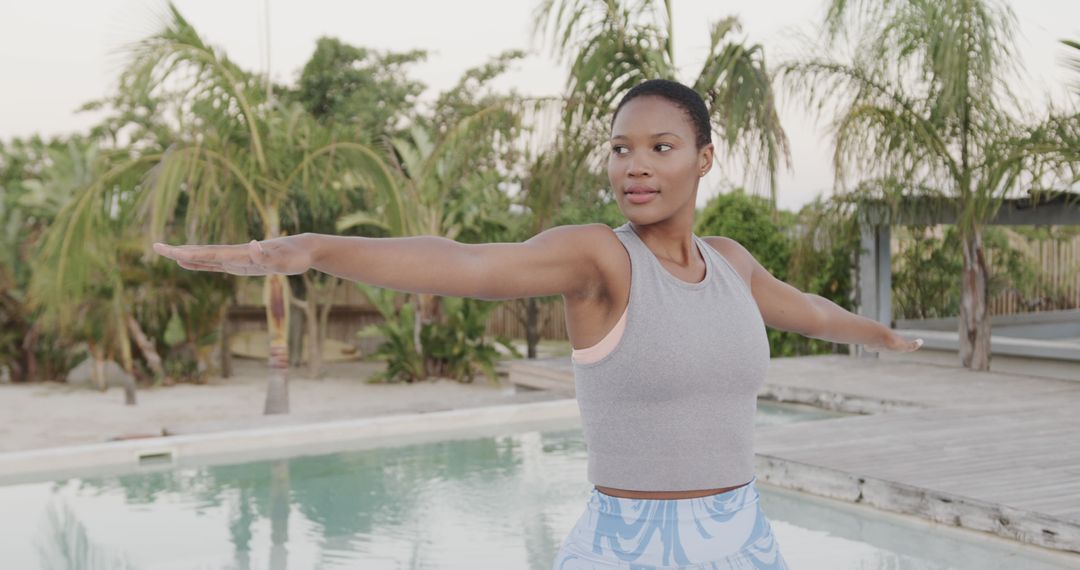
[(423, 505)]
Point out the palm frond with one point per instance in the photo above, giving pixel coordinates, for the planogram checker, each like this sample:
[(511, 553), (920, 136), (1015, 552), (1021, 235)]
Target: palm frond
[(1073, 61), (215, 84)]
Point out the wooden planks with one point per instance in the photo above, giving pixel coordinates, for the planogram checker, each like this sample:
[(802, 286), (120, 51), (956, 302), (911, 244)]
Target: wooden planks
[(989, 451)]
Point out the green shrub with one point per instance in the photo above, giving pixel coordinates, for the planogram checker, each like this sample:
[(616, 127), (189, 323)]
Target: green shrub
[(455, 348)]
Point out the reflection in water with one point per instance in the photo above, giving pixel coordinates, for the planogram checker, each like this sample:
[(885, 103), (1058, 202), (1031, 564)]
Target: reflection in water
[(279, 514), (501, 502), (65, 545)]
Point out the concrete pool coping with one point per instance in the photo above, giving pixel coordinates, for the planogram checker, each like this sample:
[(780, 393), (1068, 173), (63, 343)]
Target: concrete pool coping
[(158, 453), (172, 451)]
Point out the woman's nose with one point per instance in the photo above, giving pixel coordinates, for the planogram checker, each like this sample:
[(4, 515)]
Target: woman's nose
[(637, 167)]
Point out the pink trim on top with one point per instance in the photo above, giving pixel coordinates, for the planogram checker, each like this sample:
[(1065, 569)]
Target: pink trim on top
[(605, 346)]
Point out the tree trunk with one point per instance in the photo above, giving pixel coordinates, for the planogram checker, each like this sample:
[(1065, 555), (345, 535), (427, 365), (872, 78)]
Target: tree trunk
[(276, 297), (279, 514), (428, 312), (29, 347), (146, 346), (128, 362), (324, 314), (311, 318), (532, 329), (296, 335), (314, 346), (974, 327), (226, 342), (97, 372)]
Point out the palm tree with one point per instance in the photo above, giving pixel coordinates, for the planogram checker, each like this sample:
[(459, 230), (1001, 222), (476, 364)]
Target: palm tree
[(614, 45), (77, 288), (1074, 60), (238, 159), (432, 187), (923, 108)]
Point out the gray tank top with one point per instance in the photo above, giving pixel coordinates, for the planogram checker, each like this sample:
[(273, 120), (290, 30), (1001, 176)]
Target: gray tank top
[(671, 407)]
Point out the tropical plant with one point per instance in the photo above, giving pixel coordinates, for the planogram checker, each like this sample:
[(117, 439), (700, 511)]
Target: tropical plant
[(1074, 59), (612, 45), (241, 159), (458, 345), (92, 304), (360, 95), (28, 205), (404, 360), (455, 348), (444, 179), (748, 219), (922, 107)]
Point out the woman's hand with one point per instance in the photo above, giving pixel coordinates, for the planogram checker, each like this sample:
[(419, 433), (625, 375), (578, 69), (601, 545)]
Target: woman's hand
[(289, 255), (895, 343)]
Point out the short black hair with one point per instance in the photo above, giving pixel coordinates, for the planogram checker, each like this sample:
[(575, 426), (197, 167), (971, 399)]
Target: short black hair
[(686, 98)]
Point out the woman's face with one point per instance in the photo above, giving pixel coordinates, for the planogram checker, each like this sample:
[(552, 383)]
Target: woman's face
[(654, 166)]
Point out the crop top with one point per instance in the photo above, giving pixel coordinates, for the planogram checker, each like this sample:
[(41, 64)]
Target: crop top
[(668, 398)]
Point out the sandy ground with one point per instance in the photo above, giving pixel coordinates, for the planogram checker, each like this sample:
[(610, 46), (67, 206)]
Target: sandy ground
[(53, 414)]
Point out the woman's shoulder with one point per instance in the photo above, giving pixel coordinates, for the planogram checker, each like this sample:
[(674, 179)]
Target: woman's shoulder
[(734, 253)]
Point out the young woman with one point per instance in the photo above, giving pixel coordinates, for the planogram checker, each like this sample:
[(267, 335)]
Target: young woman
[(667, 330)]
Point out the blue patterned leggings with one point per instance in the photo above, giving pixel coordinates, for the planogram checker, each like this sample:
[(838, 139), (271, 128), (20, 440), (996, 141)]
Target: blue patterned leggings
[(726, 531)]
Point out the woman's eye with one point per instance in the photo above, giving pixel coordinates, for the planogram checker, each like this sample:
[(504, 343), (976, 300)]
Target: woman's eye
[(618, 149), (663, 144)]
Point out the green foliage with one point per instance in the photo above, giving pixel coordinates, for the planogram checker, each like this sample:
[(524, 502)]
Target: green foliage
[(824, 246), (33, 189), (576, 210), (927, 271), (403, 361), (926, 275), (361, 90), (613, 45), (458, 345), (812, 251), (746, 218)]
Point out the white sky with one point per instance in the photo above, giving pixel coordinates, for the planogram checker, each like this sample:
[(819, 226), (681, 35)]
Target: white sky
[(56, 55)]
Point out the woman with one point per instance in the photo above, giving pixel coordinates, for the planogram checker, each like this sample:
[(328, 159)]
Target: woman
[(667, 330)]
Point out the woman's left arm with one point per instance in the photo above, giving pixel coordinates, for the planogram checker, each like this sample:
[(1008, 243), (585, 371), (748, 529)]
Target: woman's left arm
[(786, 308)]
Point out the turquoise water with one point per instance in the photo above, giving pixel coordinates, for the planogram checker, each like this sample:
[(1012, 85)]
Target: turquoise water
[(504, 502)]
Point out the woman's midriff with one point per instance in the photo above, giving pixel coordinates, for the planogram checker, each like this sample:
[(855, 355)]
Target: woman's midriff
[(623, 493)]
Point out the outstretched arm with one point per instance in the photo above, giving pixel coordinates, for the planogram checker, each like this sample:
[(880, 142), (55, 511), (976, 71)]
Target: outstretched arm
[(556, 261), (786, 308)]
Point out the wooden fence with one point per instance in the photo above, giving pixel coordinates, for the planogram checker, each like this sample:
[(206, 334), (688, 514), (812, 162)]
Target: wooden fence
[(352, 312), (1060, 263)]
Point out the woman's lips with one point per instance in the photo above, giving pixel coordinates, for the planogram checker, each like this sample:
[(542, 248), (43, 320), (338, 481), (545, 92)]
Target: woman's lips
[(641, 196)]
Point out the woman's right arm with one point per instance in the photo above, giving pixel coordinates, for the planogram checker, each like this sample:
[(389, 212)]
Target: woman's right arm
[(560, 260)]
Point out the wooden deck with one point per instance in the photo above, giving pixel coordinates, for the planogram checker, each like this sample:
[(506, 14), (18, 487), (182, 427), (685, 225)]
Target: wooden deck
[(995, 452)]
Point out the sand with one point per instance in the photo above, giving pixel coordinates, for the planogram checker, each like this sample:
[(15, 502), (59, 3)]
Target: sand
[(53, 414)]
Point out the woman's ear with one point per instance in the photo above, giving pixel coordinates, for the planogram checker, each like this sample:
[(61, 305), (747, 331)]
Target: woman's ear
[(705, 159)]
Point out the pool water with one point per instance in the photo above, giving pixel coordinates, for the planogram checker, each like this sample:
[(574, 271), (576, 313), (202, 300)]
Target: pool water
[(502, 502)]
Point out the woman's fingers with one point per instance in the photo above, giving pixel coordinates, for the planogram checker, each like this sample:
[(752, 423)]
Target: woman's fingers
[(206, 254), (252, 258), (246, 259), (896, 343), (200, 266)]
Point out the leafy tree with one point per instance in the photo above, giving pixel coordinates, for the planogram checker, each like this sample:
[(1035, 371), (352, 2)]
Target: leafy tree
[(364, 92), (443, 179), (747, 219), (921, 107), (35, 184), (237, 159)]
